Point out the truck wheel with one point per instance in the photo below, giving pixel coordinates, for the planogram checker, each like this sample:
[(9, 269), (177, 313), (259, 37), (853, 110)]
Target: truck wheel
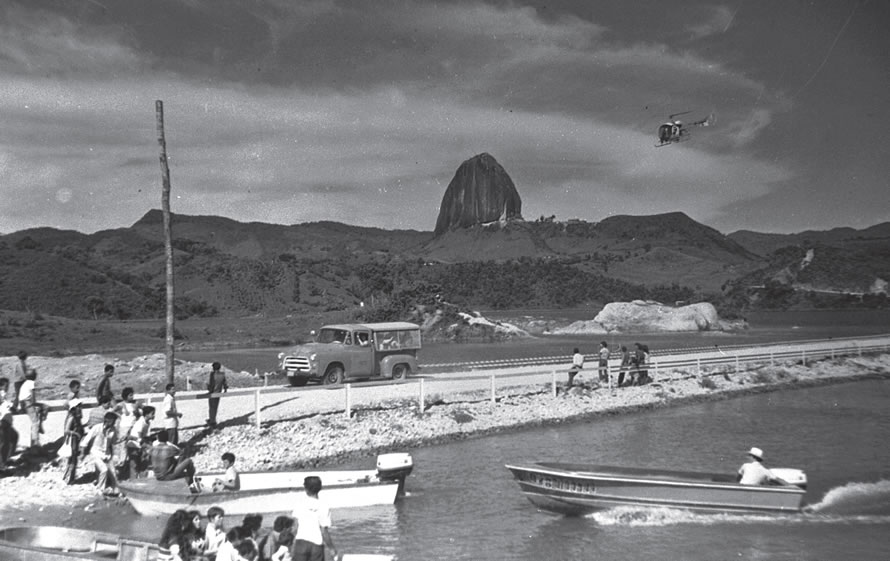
[(400, 372), (334, 376)]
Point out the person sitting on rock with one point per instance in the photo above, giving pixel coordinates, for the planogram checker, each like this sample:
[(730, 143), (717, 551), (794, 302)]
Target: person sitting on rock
[(168, 463), (230, 481)]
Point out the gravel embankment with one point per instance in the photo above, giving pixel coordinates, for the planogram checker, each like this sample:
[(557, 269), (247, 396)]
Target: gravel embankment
[(326, 439)]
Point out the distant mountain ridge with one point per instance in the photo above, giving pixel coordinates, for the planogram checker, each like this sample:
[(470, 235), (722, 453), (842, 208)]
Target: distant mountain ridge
[(228, 267)]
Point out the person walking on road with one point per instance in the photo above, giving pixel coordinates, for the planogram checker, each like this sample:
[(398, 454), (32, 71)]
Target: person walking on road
[(215, 384), (18, 378)]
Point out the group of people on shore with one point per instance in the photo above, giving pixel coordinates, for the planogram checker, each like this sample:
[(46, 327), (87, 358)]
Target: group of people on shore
[(633, 370), (115, 436), (303, 536)]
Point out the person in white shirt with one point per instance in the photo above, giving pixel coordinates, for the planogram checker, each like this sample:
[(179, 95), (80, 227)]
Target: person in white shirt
[(230, 480), (604, 354), (170, 414), (214, 532), (577, 366), (755, 473), (313, 519), (99, 445)]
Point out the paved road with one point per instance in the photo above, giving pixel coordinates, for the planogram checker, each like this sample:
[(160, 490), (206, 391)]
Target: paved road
[(275, 403)]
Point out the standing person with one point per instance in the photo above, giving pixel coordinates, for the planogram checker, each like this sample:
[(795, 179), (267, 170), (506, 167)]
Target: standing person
[(18, 378), (127, 410), (171, 415), (168, 462), (104, 388), (9, 437), (99, 444), (36, 411), (136, 442), (642, 364), (313, 518), (214, 532), (604, 361), (74, 433), (626, 363), (577, 366), (215, 384)]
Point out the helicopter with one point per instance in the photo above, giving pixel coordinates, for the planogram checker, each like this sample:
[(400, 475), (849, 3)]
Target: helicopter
[(674, 130)]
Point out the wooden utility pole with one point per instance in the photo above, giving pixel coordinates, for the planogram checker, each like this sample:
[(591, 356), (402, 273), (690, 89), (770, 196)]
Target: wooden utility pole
[(168, 237)]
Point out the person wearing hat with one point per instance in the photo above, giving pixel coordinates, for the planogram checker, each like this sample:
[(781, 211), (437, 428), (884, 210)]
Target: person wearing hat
[(754, 472), (74, 432)]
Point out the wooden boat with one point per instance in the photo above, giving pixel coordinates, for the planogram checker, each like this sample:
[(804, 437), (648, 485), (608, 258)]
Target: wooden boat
[(265, 492), (55, 543), (576, 489)]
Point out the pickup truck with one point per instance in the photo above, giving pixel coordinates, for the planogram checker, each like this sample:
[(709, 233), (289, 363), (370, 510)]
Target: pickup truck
[(350, 351)]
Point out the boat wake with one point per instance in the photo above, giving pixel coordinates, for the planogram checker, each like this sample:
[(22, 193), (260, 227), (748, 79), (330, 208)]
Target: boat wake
[(851, 503), (855, 499)]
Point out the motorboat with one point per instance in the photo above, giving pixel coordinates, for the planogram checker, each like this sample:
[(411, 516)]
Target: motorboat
[(265, 492), (57, 543), (578, 489)]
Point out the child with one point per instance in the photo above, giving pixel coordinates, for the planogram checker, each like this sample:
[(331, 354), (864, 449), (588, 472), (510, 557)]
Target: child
[(230, 481), (73, 391), (171, 415), (228, 549), (104, 388), (127, 410), (214, 533)]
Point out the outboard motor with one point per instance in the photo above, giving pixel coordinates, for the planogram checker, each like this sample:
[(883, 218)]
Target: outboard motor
[(792, 476), (395, 467)]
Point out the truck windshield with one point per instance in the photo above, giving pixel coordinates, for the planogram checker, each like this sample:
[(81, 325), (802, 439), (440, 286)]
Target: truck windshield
[(334, 336)]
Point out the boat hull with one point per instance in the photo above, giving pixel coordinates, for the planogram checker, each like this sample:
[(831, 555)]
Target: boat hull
[(578, 489), (261, 492), (55, 543)]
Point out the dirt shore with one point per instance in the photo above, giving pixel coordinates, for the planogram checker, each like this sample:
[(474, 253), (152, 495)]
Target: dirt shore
[(329, 439)]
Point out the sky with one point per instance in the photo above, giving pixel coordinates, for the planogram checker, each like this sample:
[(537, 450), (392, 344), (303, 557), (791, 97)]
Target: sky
[(286, 111)]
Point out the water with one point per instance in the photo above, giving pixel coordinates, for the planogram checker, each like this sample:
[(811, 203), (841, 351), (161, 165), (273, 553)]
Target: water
[(463, 503)]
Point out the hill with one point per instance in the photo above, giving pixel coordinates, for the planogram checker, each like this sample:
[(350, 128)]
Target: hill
[(233, 269)]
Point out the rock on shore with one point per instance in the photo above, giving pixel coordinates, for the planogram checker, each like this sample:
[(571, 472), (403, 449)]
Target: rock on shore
[(647, 316), (328, 439)]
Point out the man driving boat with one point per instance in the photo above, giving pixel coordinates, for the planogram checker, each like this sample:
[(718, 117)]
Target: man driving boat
[(755, 473)]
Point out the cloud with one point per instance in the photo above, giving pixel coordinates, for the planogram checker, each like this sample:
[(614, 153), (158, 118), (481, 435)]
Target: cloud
[(717, 20)]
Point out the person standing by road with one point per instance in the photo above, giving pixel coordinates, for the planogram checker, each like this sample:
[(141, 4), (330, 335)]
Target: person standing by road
[(171, 415), (74, 433), (9, 438), (313, 519), (18, 378), (104, 388), (215, 384), (626, 364), (36, 411), (604, 361), (577, 366)]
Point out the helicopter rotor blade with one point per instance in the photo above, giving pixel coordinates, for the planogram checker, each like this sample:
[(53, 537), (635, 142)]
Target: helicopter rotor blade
[(671, 117)]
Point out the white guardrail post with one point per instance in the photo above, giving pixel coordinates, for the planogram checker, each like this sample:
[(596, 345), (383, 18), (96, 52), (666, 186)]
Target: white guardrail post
[(256, 405), (348, 401), (553, 382), (422, 405), (492, 389)]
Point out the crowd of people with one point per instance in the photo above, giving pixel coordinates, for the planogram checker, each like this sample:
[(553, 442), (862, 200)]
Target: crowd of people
[(633, 369), (115, 437), (303, 536)]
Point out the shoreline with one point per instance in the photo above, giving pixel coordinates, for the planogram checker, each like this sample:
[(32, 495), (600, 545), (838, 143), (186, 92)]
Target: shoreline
[(326, 440)]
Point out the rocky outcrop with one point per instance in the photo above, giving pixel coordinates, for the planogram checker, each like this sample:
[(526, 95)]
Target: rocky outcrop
[(646, 316), (480, 192)]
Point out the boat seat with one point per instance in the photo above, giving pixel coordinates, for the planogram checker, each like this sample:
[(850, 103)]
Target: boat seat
[(132, 550)]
